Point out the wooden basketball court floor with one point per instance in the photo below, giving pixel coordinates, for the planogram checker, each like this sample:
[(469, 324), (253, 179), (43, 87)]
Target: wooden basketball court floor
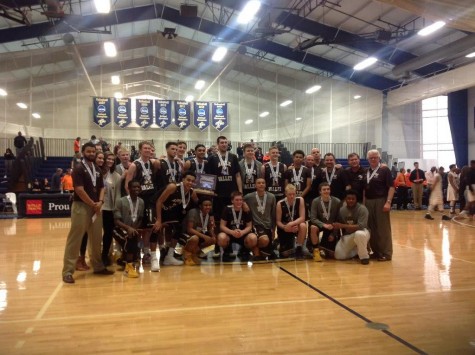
[(421, 302)]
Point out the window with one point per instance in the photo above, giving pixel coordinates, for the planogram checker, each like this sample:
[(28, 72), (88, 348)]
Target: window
[(436, 136)]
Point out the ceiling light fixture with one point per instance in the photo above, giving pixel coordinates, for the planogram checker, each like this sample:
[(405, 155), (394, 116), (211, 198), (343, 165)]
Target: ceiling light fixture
[(365, 63), (115, 79), (356, 97), (22, 105), (3, 92), (264, 114), (298, 118), (189, 98), (431, 29), (248, 121), (286, 103), (103, 6), (313, 89), (219, 54), (200, 84), (247, 14), (470, 55), (118, 95), (109, 48), (36, 115)]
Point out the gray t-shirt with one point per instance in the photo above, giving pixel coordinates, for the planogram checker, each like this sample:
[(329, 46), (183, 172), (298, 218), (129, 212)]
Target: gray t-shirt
[(194, 215), (122, 211), (317, 215), (357, 215), (266, 219)]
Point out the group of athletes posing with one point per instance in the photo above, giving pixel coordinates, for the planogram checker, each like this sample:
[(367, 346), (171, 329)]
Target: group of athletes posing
[(252, 204)]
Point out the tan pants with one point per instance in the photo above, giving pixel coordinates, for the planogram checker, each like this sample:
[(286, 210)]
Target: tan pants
[(81, 222), (417, 191)]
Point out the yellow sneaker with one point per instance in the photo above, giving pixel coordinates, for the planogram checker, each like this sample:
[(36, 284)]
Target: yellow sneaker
[(189, 261), (130, 271), (316, 255)]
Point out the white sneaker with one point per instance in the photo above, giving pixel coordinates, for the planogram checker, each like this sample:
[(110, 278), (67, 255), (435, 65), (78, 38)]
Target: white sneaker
[(464, 214), (155, 264), (171, 261)]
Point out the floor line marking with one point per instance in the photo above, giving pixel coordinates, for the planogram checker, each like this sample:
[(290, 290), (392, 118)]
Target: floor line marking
[(49, 301), (352, 311)]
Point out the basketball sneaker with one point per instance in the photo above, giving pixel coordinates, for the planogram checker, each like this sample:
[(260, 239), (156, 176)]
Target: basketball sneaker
[(155, 264), (316, 255), (130, 271)]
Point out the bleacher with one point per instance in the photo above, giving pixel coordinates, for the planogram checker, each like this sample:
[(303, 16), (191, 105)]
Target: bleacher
[(3, 180), (48, 167)]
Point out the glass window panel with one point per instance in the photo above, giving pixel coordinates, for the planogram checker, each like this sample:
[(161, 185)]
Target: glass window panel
[(429, 131), (442, 101), (444, 135), (429, 113), (445, 147), (443, 112), (429, 104), (428, 147), (446, 158), (430, 154)]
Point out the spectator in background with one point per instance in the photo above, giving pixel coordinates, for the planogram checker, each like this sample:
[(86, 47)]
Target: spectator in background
[(36, 186), (67, 181), (76, 160), (94, 140), (401, 188), (56, 180), (417, 178), (258, 154), (117, 147), (77, 145), (394, 170), (453, 187), (99, 147), (445, 182), (134, 155), (19, 142), (9, 158), (46, 185), (240, 151)]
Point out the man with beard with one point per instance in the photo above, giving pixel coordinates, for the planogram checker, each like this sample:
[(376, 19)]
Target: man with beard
[(352, 220), (355, 176), (85, 215), (333, 176)]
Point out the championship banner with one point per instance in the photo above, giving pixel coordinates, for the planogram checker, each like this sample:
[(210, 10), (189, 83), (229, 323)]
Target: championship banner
[(201, 115), (219, 115), (182, 114), (163, 113), (144, 112), (122, 114), (101, 107)]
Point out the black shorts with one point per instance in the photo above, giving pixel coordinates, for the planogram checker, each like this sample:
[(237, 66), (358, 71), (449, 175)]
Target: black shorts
[(239, 241), (261, 232), (149, 210), (286, 240)]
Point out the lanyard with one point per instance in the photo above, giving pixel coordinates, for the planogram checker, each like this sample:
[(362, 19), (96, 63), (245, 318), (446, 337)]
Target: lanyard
[(237, 220), (183, 197), (261, 207), (291, 211), (199, 169), (92, 173), (172, 171), (330, 179), (224, 163), (274, 172), (250, 170), (204, 223), (326, 213), (297, 177), (145, 169), (369, 177), (133, 210)]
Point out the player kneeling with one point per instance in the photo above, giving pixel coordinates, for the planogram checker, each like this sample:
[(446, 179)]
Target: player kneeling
[(235, 227), (199, 227), (128, 216)]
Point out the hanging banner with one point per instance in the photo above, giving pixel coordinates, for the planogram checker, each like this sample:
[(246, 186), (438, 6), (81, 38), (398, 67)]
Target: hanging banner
[(122, 114), (101, 108), (144, 112), (182, 114), (163, 113), (219, 115), (201, 115)]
